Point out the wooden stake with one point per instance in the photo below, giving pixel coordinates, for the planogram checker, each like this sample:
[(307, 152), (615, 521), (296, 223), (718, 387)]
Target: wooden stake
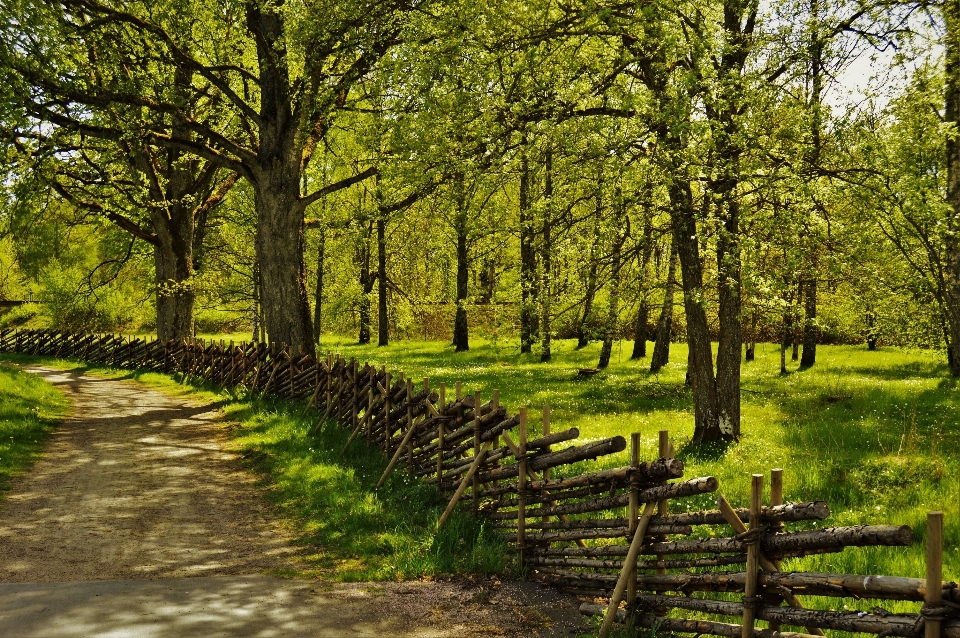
[(750, 588), (934, 595), (629, 565), (409, 423), (386, 416), (459, 391), (632, 516), (663, 506), (463, 484), (522, 484), (731, 517), (776, 498), (476, 450), (396, 457)]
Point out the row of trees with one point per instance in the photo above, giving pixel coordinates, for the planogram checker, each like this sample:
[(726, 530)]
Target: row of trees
[(574, 161)]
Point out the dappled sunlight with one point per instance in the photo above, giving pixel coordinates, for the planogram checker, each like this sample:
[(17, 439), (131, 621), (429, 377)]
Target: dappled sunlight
[(134, 484)]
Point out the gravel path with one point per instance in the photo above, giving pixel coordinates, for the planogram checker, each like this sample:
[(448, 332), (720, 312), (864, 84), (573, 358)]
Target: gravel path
[(134, 493), (134, 485)]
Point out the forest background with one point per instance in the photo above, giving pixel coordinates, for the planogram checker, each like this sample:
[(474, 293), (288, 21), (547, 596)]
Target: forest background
[(518, 171)]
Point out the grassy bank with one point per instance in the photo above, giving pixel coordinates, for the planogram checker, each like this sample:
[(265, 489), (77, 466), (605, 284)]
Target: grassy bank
[(30, 409)]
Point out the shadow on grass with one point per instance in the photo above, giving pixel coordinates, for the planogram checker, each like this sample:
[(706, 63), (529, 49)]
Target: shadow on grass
[(359, 532)]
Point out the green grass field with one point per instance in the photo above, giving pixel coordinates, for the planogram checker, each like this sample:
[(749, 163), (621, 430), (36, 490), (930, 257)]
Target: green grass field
[(30, 409), (875, 434)]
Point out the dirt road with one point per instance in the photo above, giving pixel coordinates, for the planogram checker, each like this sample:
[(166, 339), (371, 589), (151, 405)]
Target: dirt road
[(136, 522)]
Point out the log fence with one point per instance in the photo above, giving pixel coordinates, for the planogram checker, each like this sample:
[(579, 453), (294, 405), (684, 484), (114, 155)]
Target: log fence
[(605, 534)]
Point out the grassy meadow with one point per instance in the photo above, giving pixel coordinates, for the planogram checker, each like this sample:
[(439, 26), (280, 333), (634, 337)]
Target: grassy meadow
[(875, 434)]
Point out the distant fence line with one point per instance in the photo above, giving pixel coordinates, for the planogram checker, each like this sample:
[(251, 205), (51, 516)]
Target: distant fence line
[(607, 533)]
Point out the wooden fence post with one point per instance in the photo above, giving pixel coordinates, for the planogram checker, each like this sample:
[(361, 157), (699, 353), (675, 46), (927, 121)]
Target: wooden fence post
[(440, 437), (663, 507), (776, 498), (522, 485), (476, 450), (386, 417), (634, 513), (753, 552), (934, 585)]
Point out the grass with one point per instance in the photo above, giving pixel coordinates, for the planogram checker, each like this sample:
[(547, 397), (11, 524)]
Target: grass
[(30, 409), (353, 531), (875, 434)]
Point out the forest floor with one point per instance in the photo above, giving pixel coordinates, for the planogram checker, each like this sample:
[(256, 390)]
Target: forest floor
[(137, 520)]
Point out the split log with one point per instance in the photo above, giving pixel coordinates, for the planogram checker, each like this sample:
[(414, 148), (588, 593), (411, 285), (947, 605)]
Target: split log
[(585, 534), (852, 621), (664, 625), (650, 495), (646, 474), (572, 454), (691, 563)]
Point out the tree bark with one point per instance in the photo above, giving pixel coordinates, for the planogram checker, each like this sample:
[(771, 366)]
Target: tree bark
[(583, 336), (529, 322), (383, 321), (951, 14), (731, 339), (318, 293), (613, 309), (276, 185), (700, 369), (366, 289), (661, 346), (811, 332), (546, 287), (461, 336), (643, 305), (173, 265)]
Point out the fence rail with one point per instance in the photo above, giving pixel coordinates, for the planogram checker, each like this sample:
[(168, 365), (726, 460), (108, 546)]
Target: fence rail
[(602, 534)]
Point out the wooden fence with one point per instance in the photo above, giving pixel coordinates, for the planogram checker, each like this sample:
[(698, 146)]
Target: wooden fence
[(600, 534)]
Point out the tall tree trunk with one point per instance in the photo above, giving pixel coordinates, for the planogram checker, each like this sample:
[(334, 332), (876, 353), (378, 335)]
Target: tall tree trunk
[(613, 310), (276, 185), (546, 287), (366, 290), (731, 337), (529, 322), (871, 330), (383, 321), (811, 331), (661, 346), (318, 293), (583, 336), (700, 369), (795, 314), (951, 14), (643, 302), (173, 264), (461, 335)]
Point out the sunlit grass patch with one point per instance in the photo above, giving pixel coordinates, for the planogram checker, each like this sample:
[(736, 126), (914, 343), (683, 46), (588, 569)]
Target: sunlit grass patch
[(30, 409)]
